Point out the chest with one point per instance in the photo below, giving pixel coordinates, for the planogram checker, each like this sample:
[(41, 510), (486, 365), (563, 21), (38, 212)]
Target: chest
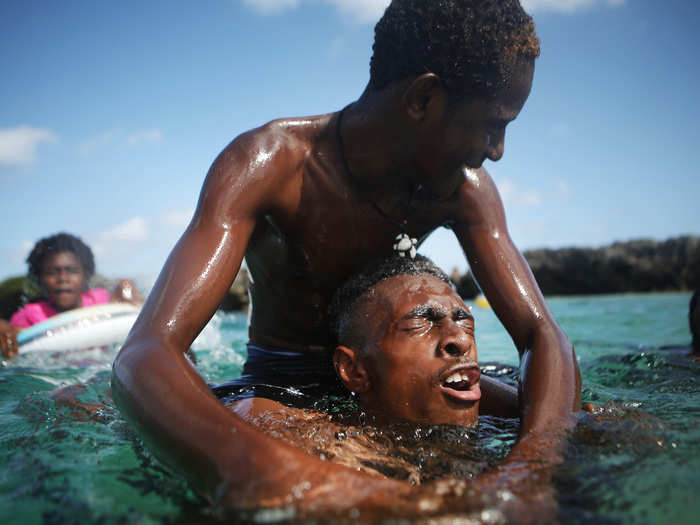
[(337, 230)]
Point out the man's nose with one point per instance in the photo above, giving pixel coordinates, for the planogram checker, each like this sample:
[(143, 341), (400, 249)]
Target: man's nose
[(494, 152), (456, 342)]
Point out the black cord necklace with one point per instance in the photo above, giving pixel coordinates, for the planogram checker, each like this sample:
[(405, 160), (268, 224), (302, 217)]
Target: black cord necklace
[(403, 245)]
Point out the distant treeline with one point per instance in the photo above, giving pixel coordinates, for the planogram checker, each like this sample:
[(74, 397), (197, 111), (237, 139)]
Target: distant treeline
[(634, 266)]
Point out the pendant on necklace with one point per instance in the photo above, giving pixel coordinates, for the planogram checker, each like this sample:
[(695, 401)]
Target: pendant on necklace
[(405, 245)]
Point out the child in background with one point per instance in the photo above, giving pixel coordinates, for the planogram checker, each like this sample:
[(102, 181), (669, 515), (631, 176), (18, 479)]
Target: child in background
[(61, 266)]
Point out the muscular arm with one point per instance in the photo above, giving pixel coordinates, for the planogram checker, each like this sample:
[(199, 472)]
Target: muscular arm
[(550, 380), (158, 390)]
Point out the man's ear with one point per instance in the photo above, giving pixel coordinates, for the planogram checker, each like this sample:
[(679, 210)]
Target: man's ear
[(350, 369), (425, 97)]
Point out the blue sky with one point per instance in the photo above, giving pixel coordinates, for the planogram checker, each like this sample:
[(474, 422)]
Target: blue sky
[(112, 112)]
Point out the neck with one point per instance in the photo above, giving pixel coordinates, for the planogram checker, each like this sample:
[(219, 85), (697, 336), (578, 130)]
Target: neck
[(373, 142)]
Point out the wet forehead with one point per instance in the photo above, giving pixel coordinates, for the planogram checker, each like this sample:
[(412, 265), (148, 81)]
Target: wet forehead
[(511, 100), (402, 294)]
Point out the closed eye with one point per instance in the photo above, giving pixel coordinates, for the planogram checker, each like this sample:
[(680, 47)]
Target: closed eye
[(421, 318), (416, 324), (467, 325), (464, 319)]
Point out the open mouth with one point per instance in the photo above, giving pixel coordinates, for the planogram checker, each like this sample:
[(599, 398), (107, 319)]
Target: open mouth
[(462, 384)]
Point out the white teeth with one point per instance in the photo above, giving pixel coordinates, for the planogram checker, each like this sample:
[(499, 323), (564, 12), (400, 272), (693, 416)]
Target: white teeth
[(454, 378), (457, 377)]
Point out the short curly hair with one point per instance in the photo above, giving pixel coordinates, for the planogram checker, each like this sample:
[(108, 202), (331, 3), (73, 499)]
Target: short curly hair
[(59, 243), (348, 297), (472, 45)]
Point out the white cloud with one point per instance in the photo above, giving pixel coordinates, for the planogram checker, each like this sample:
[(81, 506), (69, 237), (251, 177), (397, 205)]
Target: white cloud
[(17, 255), (144, 137), (369, 11), (118, 139), (133, 230), (513, 196), (560, 130), (363, 11), (93, 144), (563, 190), (18, 145), (271, 6), (531, 198), (566, 6), (119, 241), (176, 218)]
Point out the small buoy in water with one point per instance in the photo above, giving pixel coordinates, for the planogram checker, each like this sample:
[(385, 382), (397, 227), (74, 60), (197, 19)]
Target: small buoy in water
[(481, 301)]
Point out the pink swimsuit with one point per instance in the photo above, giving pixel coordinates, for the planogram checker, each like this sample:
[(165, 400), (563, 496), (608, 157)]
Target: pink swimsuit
[(34, 313)]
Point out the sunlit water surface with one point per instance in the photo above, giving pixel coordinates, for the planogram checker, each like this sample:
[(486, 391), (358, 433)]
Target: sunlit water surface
[(61, 464)]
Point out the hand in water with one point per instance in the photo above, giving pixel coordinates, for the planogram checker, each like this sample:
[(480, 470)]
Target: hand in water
[(8, 339), (313, 488)]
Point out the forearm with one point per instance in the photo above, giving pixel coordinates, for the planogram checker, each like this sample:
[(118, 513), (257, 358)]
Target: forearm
[(223, 457), (550, 389), (499, 399), (164, 397)]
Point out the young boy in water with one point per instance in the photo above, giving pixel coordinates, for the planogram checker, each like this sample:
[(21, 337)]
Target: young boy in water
[(405, 347), (60, 266), (311, 201)]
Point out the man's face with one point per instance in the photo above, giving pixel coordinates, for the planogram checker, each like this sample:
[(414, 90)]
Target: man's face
[(422, 363), (472, 131), (63, 281)]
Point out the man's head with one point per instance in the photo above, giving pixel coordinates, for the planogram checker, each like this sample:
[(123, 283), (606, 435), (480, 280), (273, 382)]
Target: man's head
[(471, 45), (406, 343), (458, 71)]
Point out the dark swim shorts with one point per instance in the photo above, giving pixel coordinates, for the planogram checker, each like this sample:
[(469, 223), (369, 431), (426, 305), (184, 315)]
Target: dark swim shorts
[(291, 378)]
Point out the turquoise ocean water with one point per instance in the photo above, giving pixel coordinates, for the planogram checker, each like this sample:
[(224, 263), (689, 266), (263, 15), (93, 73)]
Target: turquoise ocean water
[(63, 464)]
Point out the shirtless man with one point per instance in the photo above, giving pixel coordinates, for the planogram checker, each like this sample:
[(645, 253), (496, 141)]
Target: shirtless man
[(311, 201), (405, 349)]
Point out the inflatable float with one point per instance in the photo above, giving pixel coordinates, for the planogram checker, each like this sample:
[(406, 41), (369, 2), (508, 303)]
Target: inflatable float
[(81, 328)]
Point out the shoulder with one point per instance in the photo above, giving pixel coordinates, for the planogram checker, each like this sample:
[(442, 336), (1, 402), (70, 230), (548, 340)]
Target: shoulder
[(255, 407), (278, 147), (478, 185), (95, 296), (31, 314), (479, 200), (257, 169)]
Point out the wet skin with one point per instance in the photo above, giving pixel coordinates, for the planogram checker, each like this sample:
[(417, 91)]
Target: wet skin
[(417, 334), (422, 341), (279, 195)]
